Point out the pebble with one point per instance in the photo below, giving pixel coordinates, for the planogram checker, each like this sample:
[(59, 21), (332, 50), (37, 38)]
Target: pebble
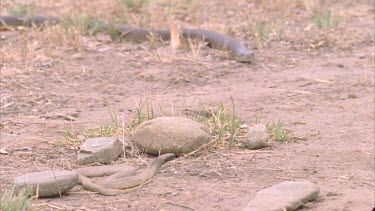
[(256, 138)]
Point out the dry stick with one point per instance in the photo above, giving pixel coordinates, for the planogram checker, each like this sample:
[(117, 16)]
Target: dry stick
[(204, 145), (7, 105), (254, 151), (235, 170), (175, 38), (218, 174), (234, 167), (229, 195), (49, 205), (172, 109), (140, 158), (269, 169), (63, 81), (179, 205), (189, 59), (268, 70), (123, 135)]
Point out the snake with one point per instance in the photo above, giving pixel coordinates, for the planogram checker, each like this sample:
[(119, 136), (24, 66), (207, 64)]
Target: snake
[(121, 177), (214, 40)]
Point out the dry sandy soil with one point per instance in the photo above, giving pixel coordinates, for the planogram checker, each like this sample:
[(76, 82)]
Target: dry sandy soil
[(318, 81)]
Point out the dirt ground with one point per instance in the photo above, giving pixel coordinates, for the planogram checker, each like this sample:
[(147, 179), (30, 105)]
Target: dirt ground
[(318, 81)]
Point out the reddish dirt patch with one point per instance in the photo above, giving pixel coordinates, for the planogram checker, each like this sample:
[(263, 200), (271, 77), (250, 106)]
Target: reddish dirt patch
[(319, 82)]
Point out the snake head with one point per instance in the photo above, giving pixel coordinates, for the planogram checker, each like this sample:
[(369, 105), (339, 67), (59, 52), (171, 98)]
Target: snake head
[(245, 56), (168, 156)]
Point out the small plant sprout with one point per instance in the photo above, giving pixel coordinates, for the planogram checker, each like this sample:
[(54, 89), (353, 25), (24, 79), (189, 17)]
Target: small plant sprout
[(134, 5), (73, 137), (139, 115), (324, 19), (278, 132), (225, 125), (262, 30), (21, 10)]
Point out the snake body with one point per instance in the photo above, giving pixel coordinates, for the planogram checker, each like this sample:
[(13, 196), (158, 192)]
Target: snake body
[(215, 40), (121, 177)]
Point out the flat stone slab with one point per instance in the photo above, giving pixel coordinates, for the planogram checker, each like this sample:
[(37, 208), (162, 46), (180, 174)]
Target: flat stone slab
[(101, 149), (287, 195), (176, 135), (257, 137), (47, 183)]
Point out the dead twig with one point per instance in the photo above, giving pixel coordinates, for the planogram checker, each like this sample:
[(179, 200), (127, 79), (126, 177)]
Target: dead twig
[(254, 151), (179, 205), (48, 205)]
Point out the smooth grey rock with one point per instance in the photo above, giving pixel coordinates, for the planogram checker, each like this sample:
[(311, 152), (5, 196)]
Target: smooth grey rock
[(176, 135), (257, 137), (101, 149), (287, 195), (47, 183)]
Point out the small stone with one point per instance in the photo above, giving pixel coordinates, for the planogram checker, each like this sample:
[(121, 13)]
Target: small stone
[(343, 97), (257, 137), (176, 135), (332, 194), (101, 149), (287, 195), (47, 183), (340, 65), (352, 96)]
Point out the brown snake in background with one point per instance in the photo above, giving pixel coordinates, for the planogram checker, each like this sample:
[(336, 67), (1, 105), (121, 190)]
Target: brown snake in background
[(215, 40)]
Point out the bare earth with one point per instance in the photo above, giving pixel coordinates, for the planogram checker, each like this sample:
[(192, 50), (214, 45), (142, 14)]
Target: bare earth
[(318, 81)]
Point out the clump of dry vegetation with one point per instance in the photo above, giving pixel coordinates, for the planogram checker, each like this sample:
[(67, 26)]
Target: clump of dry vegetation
[(223, 124), (324, 19), (18, 202), (278, 131), (74, 136)]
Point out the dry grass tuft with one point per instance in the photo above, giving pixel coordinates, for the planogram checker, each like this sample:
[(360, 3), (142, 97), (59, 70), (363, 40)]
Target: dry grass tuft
[(11, 202), (223, 124), (73, 137)]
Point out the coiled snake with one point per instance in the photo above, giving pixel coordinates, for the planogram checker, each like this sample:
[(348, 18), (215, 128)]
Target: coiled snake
[(122, 177), (215, 40)]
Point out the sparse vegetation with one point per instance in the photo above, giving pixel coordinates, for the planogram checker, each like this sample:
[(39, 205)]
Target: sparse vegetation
[(278, 132), (11, 202), (134, 5), (262, 30), (324, 19), (311, 67), (21, 10), (73, 137), (86, 24), (259, 29), (223, 125), (186, 4), (139, 115)]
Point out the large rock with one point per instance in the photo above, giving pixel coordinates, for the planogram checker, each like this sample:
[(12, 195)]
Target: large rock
[(176, 135), (101, 149), (47, 183), (287, 195), (257, 137)]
